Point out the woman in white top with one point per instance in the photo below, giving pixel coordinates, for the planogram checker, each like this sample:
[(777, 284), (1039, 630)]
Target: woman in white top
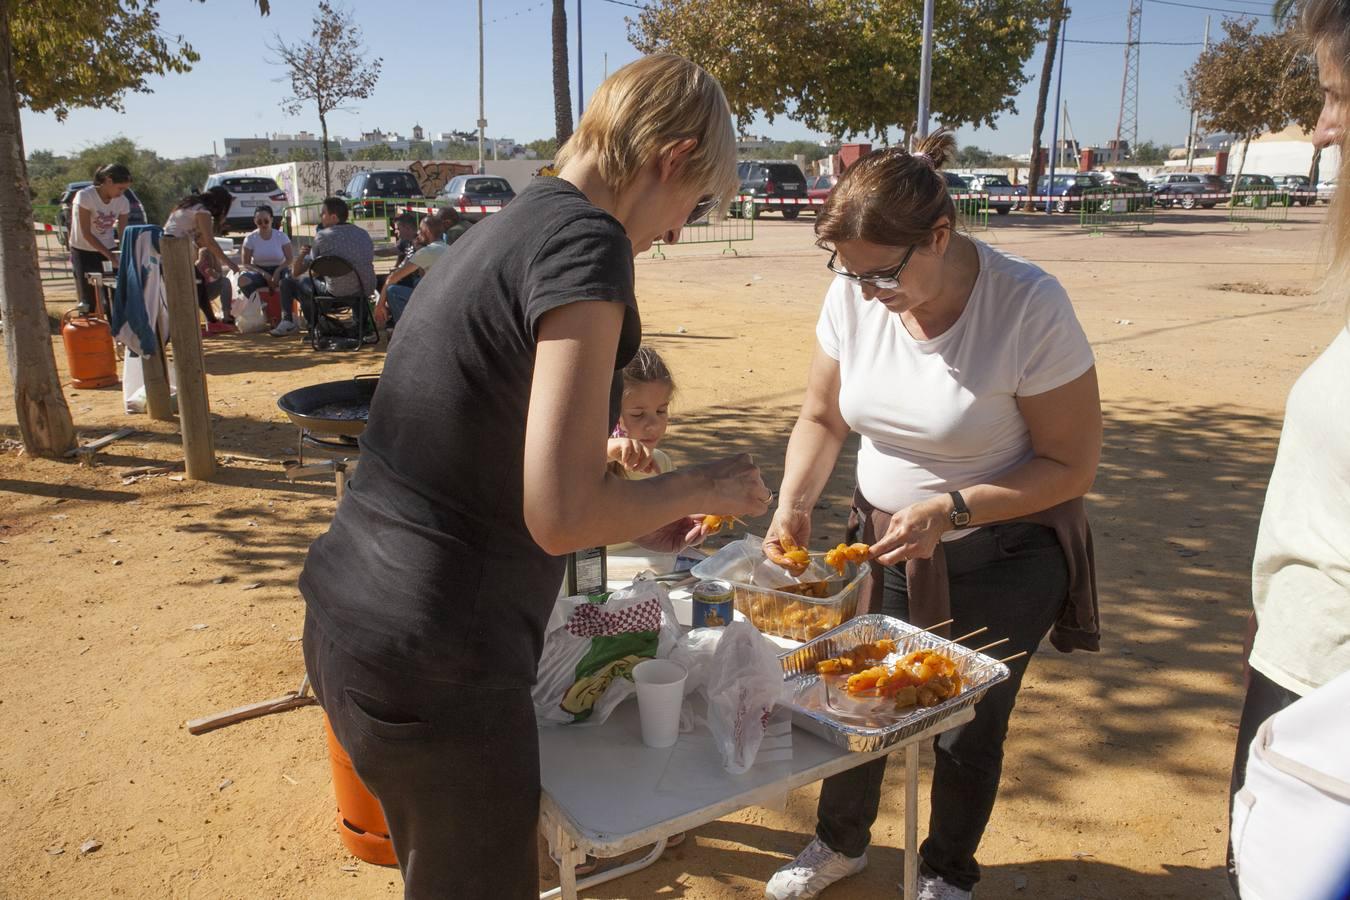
[(974, 390), (265, 256), (98, 215), (1301, 569), (198, 217)]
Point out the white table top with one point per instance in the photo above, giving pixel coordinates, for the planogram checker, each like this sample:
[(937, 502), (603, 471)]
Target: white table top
[(615, 794)]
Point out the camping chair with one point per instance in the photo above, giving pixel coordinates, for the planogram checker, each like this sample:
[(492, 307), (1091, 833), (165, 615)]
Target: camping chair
[(324, 269)]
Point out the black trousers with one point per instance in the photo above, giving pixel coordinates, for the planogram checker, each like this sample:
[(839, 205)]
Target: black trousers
[(455, 768), (84, 262), (1264, 699), (1012, 578)]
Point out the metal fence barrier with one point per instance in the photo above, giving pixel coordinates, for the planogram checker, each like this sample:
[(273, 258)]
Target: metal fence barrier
[(1260, 207), (1103, 209), (972, 211), (724, 231), (51, 235)]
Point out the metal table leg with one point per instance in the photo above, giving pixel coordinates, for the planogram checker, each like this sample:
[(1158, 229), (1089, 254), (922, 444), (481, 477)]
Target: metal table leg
[(911, 822), (571, 857)]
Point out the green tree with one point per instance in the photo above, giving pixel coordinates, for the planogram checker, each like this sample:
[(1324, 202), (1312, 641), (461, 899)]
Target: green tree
[(1147, 153), (420, 150), (544, 148), (257, 159), (328, 71), (36, 40), (1250, 83), (376, 151), (300, 154), (848, 67)]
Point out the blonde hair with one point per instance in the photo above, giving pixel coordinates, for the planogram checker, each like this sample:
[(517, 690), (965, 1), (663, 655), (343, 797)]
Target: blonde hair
[(647, 107), (891, 197), (647, 367), (1325, 25)]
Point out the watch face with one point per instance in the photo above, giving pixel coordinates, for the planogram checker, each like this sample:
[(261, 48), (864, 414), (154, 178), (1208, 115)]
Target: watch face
[(960, 520)]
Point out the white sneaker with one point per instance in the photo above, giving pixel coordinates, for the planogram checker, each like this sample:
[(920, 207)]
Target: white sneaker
[(931, 887), (284, 327), (815, 868)]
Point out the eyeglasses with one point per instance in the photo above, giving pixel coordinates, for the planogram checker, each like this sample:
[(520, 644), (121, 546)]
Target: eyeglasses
[(702, 208), (885, 281)]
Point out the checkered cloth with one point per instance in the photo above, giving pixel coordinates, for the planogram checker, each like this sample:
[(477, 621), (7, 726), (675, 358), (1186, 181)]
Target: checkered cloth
[(590, 620)]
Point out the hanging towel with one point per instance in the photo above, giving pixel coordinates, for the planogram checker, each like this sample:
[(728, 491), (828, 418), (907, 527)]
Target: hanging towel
[(140, 313)]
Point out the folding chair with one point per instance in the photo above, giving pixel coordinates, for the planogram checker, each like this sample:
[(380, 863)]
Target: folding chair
[(324, 269)]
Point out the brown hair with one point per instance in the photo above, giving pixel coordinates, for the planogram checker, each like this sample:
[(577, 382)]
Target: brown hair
[(891, 197), (1325, 24), (647, 367)]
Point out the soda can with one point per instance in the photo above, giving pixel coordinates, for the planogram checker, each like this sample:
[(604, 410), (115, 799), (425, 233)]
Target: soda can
[(712, 603)]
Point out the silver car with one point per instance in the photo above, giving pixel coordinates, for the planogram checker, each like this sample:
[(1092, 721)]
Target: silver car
[(465, 192)]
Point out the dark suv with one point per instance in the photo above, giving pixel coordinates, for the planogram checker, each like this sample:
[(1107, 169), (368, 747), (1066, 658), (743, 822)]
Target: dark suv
[(1188, 190), (1068, 189), (771, 180)]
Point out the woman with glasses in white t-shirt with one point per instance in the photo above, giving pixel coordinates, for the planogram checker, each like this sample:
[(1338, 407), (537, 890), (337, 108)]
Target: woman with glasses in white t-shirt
[(973, 387), (265, 256)]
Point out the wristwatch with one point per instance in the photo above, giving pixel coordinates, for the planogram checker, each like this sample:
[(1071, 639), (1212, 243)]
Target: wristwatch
[(960, 512)]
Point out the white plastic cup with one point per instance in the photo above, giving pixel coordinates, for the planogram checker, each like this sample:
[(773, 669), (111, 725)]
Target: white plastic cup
[(660, 691)]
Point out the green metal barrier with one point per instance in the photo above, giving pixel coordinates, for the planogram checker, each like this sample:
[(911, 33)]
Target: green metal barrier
[(1259, 207), (972, 211), (51, 236), (725, 231), (1105, 208)]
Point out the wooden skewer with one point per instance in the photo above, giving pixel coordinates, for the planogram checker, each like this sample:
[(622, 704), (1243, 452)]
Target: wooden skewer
[(939, 625), (1014, 656), (994, 644), (963, 637)]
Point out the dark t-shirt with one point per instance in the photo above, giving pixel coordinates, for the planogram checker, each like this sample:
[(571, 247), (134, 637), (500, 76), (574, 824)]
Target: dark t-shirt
[(428, 567)]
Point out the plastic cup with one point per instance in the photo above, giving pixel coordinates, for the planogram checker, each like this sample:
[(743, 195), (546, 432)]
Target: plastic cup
[(660, 691)]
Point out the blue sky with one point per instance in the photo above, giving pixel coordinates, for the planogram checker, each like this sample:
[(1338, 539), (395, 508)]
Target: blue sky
[(430, 74)]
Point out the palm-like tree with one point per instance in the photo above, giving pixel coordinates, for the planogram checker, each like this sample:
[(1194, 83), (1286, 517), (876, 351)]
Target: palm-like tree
[(1042, 96), (562, 90)]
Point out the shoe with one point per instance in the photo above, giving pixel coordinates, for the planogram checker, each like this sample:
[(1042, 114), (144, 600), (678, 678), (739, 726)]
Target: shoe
[(815, 868), (931, 887), (284, 327)]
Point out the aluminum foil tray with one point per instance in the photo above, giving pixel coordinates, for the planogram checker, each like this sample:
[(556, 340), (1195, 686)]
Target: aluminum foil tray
[(866, 732)]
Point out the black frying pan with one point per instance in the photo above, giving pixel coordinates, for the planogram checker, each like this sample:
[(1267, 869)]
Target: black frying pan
[(334, 407)]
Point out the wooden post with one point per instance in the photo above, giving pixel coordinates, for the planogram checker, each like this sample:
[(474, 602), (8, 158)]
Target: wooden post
[(194, 408), (158, 402)]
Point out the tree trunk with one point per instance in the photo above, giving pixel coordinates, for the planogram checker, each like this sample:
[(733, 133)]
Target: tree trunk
[(562, 90), (327, 171), (1314, 170), (1042, 97), (1237, 177), (44, 418)]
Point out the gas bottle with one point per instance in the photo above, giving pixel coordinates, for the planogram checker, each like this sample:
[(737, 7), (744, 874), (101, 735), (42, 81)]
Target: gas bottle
[(89, 350)]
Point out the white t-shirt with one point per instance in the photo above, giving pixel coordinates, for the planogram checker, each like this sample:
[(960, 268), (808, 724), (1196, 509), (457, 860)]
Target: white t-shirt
[(182, 223), (426, 257), (270, 252), (941, 415), (1301, 572), (102, 217)]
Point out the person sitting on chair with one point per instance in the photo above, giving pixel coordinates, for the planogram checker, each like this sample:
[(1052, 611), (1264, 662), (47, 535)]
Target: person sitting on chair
[(336, 237), (398, 287)]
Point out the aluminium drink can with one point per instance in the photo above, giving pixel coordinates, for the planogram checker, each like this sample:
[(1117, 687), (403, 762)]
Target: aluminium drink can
[(712, 603)]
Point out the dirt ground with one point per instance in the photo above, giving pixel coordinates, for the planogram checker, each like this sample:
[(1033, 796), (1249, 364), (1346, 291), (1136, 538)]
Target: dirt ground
[(130, 608)]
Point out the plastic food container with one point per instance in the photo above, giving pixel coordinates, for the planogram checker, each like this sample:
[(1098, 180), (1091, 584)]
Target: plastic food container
[(776, 603)]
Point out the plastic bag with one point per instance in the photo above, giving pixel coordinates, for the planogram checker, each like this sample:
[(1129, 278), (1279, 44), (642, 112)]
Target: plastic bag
[(590, 650), (744, 683), (250, 316), (133, 385)]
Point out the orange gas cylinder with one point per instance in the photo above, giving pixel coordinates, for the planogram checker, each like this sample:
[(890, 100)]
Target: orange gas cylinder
[(360, 820), (89, 350)]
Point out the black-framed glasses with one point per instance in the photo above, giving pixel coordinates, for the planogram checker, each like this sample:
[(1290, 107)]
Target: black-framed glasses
[(703, 208), (885, 281)]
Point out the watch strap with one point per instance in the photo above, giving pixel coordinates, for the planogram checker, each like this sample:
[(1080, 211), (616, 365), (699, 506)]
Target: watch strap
[(960, 512)]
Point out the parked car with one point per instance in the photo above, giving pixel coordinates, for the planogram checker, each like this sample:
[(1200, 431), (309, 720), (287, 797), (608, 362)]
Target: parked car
[(1004, 196), (366, 192), (1326, 189), (1067, 189), (771, 180), (818, 187), (1187, 190), (136, 216), (1227, 181), (249, 192), (1298, 184), (477, 190), (1130, 181)]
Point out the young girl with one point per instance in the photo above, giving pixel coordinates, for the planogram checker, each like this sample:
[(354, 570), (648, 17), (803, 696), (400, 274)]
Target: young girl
[(98, 216), (644, 415)]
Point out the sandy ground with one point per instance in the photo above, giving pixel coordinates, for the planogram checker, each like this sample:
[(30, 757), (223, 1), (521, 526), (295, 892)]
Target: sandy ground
[(129, 608)]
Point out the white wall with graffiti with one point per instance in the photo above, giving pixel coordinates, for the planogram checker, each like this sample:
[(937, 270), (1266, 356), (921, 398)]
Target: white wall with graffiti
[(303, 181)]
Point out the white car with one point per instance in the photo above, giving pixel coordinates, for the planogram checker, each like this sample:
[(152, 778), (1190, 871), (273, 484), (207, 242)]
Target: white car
[(249, 192), (1326, 190)]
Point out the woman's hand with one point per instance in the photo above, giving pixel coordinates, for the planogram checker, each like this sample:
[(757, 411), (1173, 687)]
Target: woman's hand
[(674, 537), (794, 525), (734, 487), (914, 532), (382, 310), (632, 455)]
